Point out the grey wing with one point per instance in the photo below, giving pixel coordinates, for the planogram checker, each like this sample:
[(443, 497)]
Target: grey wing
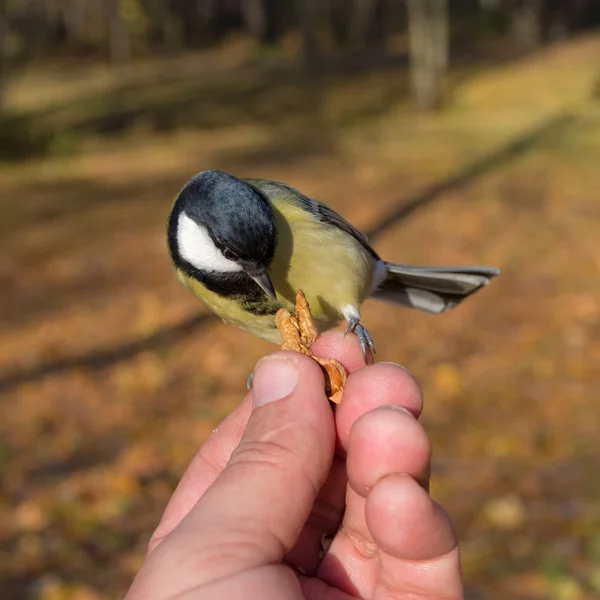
[(321, 211)]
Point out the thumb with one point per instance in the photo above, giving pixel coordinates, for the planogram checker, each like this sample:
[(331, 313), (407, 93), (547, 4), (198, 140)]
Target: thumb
[(253, 513)]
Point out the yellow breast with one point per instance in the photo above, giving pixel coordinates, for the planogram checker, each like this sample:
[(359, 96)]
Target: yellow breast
[(331, 267)]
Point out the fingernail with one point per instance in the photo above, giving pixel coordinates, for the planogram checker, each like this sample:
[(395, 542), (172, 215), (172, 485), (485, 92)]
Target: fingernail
[(275, 377), (396, 365), (399, 408)]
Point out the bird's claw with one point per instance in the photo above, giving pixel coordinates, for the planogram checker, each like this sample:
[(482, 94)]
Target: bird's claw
[(250, 381), (364, 337)]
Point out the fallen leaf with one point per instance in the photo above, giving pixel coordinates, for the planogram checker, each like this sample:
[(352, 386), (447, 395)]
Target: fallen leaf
[(446, 379), (568, 589), (507, 512), (30, 516)]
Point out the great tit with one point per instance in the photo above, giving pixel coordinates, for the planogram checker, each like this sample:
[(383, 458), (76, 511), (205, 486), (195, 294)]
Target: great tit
[(245, 246)]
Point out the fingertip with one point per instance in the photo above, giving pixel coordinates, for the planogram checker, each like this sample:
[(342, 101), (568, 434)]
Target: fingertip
[(293, 384), (299, 367), (306, 363), (381, 384), (343, 348), (399, 383), (384, 441), (405, 522)]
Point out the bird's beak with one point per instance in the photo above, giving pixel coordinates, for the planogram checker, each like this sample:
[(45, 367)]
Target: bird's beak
[(266, 284)]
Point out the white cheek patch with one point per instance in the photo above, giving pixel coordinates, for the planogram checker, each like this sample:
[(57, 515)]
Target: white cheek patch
[(196, 246)]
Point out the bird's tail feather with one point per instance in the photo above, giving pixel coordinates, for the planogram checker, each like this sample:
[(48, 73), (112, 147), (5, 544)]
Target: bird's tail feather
[(431, 289)]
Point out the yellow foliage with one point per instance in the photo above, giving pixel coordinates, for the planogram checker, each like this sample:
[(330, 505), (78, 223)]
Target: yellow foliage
[(507, 512), (568, 589), (446, 379), (30, 516)]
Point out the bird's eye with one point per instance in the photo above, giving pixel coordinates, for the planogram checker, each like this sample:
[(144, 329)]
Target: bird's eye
[(230, 254)]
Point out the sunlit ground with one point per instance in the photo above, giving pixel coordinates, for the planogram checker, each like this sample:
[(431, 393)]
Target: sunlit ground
[(110, 379)]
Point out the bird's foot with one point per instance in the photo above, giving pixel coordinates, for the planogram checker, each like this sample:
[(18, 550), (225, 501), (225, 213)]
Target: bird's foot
[(364, 337)]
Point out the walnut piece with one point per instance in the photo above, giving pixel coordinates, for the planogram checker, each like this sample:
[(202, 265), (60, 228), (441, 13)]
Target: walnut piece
[(298, 333)]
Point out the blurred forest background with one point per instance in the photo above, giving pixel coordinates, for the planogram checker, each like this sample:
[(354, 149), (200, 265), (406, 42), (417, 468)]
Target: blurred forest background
[(451, 131)]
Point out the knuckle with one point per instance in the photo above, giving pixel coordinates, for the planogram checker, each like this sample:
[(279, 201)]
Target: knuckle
[(265, 451), (364, 546), (279, 451)]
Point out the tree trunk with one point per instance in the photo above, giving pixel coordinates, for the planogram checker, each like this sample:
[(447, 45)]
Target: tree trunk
[(74, 17), (526, 23), (119, 43), (174, 31), (3, 50), (378, 29), (339, 11), (279, 16), (201, 30), (428, 32), (207, 9), (307, 20), (255, 19), (362, 16)]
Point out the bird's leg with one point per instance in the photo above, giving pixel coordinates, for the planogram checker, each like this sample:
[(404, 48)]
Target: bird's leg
[(365, 340), (364, 337)]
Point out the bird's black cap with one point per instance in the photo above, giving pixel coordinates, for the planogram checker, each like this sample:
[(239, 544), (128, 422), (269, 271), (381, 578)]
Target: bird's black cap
[(236, 216)]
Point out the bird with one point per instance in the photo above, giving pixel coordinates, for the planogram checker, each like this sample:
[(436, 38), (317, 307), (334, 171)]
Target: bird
[(245, 246)]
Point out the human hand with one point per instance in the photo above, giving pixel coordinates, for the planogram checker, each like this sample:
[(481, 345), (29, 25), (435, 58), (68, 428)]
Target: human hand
[(279, 475)]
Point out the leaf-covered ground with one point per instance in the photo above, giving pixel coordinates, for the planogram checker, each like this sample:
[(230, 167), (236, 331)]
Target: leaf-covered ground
[(111, 375)]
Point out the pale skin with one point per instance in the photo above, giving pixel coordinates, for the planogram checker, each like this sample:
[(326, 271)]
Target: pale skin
[(248, 517)]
